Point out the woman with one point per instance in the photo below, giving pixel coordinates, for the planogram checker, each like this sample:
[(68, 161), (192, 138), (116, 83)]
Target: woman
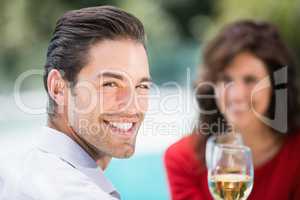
[(245, 70)]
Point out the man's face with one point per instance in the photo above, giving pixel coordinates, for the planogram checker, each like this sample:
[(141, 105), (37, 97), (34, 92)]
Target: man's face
[(107, 105)]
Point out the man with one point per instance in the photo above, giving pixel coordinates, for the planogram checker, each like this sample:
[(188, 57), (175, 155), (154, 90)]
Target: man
[(97, 79)]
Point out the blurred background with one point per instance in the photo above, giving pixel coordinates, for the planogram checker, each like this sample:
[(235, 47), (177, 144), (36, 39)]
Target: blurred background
[(176, 30)]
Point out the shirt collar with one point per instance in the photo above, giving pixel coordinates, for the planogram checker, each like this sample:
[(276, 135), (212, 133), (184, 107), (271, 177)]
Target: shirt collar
[(58, 143)]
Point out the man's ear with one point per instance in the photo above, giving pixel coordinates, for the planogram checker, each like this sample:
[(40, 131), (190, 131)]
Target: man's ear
[(56, 87)]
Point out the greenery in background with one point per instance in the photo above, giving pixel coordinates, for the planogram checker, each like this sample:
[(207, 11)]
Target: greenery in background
[(26, 28), (175, 30), (284, 14)]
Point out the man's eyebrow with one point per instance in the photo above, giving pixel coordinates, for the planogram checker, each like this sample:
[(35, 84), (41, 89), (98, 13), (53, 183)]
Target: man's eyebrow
[(145, 79), (120, 77), (110, 75)]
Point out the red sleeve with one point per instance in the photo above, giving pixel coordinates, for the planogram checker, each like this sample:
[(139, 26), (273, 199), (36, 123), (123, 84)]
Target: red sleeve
[(297, 192), (296, 151), (184, 183)]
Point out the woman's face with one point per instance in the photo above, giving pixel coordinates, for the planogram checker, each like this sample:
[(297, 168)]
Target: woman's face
[(243, 91)]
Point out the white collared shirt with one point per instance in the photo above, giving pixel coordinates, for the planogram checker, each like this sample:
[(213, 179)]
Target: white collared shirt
[(57, 168)]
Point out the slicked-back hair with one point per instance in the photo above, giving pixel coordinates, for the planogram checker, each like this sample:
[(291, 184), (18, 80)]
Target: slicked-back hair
[(77, 30)]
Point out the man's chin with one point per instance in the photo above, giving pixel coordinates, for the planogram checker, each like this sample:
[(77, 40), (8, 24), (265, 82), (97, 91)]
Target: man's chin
[(126, 153)]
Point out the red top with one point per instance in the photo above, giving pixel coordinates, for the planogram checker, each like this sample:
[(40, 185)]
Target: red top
[(278, 179)]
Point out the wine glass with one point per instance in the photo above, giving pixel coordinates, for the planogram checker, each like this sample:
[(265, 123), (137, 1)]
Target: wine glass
[(230, 173)]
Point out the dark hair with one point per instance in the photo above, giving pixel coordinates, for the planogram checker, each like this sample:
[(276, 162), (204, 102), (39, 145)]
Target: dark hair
[(77, 30), (261, 39)]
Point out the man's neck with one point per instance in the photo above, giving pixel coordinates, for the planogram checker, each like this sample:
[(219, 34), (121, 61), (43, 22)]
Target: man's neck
[(103, 162), (101, 159)]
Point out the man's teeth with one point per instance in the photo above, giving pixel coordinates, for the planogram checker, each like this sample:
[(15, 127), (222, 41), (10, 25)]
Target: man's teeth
[(122, 126)]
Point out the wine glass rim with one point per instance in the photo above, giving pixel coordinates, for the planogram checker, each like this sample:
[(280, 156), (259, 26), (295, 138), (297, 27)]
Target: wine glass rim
[(234, 147)]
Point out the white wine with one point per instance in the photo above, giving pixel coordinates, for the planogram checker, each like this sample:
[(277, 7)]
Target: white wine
[(230, 186)]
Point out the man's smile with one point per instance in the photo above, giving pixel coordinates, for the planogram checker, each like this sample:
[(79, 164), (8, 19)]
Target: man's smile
[(121, 127)]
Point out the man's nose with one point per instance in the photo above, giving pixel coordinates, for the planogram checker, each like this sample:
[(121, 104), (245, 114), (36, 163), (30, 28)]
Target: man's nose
[(127, 101)]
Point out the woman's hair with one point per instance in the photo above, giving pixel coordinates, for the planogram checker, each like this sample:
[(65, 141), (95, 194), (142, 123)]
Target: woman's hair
[(262, 40)]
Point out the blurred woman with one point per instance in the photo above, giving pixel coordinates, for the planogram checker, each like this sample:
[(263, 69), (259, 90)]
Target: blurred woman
[(250, 73)]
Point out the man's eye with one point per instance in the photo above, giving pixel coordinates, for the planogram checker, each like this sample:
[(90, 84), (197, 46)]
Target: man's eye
[(110, 84), (144, 86)]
